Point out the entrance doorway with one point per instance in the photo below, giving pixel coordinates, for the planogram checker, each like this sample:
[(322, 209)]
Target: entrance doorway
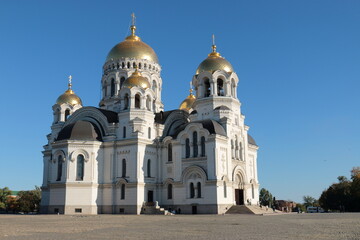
[(194, 210), (150, 196), (239, 196)]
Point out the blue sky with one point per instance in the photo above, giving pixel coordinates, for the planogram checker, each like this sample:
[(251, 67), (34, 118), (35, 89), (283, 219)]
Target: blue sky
[(298, 64)]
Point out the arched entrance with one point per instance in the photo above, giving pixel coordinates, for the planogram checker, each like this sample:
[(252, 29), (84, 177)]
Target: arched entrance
[(239, 190)]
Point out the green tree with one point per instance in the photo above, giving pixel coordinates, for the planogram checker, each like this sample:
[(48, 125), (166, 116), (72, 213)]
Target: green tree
[(338, 196), (355, 189), (266, 198), (29, 201), (309, 201), (4, 194)]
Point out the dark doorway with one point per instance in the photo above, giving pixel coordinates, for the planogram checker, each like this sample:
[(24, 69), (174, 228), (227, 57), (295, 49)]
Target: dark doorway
[(150, 196), (239, 196), (194, 210)]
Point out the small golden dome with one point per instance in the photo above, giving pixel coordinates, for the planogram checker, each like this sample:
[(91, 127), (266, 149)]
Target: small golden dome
[(132, 47), (136, 80), (187, 104), (214, 62), (69, 97)]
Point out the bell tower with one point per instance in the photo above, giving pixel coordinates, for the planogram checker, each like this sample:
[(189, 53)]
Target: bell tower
[(215, 83)]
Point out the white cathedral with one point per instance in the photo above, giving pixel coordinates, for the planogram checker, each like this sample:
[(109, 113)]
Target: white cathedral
[(129, 154)]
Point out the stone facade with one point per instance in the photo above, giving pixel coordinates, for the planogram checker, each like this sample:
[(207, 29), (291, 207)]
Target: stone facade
[(129, 152)]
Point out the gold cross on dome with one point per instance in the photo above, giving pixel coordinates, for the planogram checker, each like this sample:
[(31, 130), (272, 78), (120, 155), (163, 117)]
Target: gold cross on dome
[(133, 19), (70, 79)]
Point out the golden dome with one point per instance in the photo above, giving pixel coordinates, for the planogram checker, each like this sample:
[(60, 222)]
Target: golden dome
[(214, 62), (69, 97), (188, 102), (136, 80), (132, 47)]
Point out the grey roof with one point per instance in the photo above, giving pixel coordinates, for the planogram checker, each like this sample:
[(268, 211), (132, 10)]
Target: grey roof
[(161, 117), (251, 140), (222, 107), (80, 130), (211, 125), (112, 117)]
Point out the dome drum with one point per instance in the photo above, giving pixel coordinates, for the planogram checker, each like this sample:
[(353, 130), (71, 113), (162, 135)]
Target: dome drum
[(130, 63)]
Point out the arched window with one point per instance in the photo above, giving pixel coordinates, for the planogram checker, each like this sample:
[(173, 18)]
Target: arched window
[(126, 101), (203, 146), (124, 132), (207, 88), (134, 65), (149, 168), (148, 103), (232, 148), (59, 168), (195, 145), (233, 88), (112, 87), (225, 190), (139, 65), (169, 191), (105, 90), (252, 191), (122, 195), (170, 152), (80, 168), (154, 86), (236, 149), (122, 65), (67, 114), (220, 87), (137, 101), (199, 190), (128, 65), (123, 173), (241, 151), (57, 115), (149, 132), (122, 80), (192, 190), (187, 148), (145, 65)]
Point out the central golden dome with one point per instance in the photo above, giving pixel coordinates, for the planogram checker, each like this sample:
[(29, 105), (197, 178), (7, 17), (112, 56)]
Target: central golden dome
[(136, 80), (132, 47), (214, 62)]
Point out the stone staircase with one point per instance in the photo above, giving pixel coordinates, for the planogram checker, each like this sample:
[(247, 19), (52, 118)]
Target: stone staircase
[(250, 209), (154, 209)]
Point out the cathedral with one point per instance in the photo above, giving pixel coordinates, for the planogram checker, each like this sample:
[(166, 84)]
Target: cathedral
[(129, 155)]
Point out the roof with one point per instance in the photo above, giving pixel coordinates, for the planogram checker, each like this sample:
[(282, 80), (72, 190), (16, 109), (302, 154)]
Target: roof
[(112, 117), (80, 130), (222, 108), (251, 140), (211, 125), (161, 117)]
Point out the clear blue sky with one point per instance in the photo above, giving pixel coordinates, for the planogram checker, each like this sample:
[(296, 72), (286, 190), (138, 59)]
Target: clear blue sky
[(298, 64)]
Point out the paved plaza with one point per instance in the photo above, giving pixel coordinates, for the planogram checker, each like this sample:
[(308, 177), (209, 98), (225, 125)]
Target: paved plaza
[(250, 227)]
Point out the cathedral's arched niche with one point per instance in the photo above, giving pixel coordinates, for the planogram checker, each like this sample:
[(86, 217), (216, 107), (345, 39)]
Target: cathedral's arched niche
[(57, 153), (194, 178), (194, 170), (74, 154), (239, 177)]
